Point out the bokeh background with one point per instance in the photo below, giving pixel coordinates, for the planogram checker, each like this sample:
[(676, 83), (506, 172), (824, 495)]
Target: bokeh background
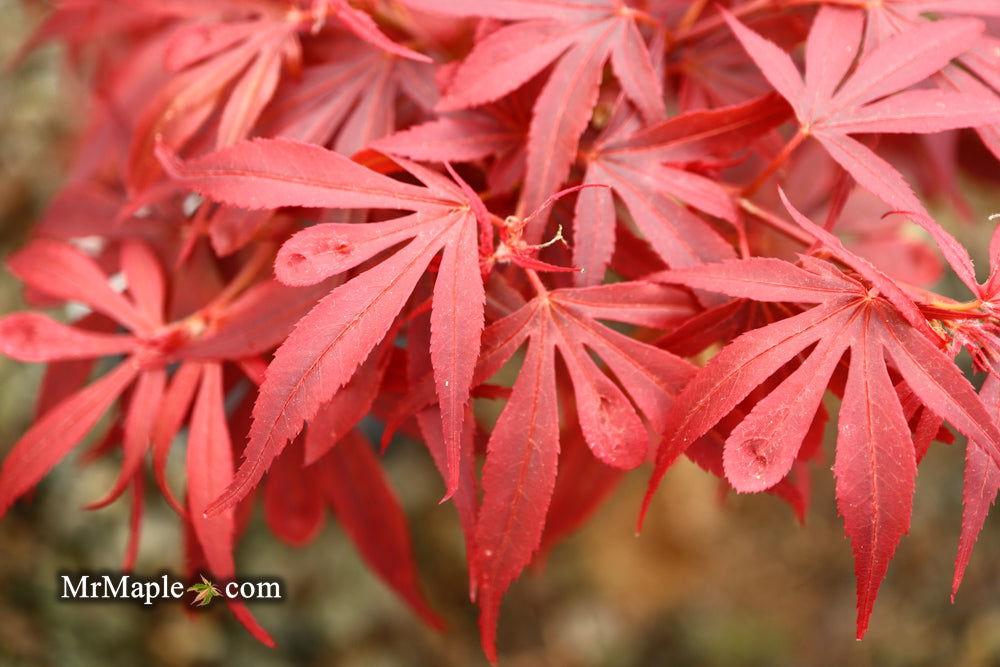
[(710, 581)]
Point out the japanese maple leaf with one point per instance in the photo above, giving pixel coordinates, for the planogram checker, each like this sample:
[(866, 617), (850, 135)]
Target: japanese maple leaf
[(497, 130), (864, 314), (523, 450), (231, 327), (233, 65), (890, 17), (714, 70), (981, 63), (350, 97), (823, 190), (831, 107), (347, 100), (229, 331), (205, 592), (580, 37), (328, 345), (227, 328), (646, 169)]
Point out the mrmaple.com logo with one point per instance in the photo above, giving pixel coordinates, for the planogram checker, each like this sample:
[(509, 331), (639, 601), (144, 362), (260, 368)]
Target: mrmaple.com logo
[(122, 587)]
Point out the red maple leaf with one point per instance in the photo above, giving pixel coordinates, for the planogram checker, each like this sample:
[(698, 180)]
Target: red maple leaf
[(976, 71), (231, 327), (349, 97), (521, 460), (580, 36), (866, 315), (495, 133), (328, 345), (645, 168), (831, 104), (412, 298)]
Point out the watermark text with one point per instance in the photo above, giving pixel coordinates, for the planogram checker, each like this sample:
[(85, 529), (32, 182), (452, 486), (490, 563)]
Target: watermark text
[(127, 587)]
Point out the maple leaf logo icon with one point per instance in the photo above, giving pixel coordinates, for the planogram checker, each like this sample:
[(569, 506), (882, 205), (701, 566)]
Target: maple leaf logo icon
[(206, 591)]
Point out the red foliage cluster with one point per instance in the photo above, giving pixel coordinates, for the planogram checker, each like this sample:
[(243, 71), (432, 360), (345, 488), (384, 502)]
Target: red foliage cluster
[(401, 164)]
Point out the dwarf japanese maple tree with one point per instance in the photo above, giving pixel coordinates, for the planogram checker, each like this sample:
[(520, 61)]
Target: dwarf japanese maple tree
[(310, 213)]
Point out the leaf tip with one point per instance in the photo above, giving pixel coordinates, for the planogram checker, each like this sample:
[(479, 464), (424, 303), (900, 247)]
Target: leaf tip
[(641, 520)]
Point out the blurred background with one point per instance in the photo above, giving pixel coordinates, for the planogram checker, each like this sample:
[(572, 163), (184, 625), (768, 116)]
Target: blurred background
[(710, 581)]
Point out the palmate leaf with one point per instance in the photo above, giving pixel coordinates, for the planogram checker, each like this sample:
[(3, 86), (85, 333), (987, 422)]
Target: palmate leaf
[(523, 450), (62, 271), (234, 65), (346, 99), (645, 168), (230, 67), (349, 98), (714, 68), (153, 413), (331, 463), (519, 474), (528, 94), (498, 130), (974, 72), (831, 104), (875, 461), (245, 326), (330, 343), (580, 38)]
